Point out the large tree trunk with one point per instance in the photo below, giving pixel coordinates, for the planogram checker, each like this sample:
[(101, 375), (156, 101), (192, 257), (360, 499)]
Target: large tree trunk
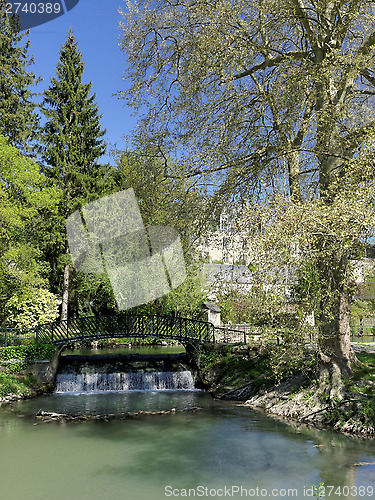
[(65, 297), (335, 350)]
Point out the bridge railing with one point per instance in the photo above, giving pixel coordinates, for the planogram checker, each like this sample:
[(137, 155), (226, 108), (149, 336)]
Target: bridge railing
[(125, 325)]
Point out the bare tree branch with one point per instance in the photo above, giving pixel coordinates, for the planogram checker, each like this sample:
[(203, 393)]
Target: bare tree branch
[(272, 62)]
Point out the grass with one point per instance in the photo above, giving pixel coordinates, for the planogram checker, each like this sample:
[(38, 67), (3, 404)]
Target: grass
[(235, 369), (13, 360), (360, 389), (14, 383)]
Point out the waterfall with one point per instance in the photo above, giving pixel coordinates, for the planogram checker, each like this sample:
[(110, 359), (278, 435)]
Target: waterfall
[(77, 376), (99, 382)]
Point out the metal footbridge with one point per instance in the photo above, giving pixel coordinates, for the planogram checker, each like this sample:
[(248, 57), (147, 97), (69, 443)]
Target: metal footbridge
[(87, 329)]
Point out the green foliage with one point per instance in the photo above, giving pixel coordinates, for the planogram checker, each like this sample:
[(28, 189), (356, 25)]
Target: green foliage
[(17, 358), (257, 307), (308, 288), (233, 369), (367, 411), (18, 120), (264, 367), (9, 384), (187, 299), (360, 392), (93, 295), (12, 383), (34, 307), (367, 358), (166, 198), (28, 352), (15, 367), (291, 356), (23, 198)]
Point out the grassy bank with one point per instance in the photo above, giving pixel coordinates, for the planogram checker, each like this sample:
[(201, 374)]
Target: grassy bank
[(14, 381), (225, 368), (250, 374), (359, 404)]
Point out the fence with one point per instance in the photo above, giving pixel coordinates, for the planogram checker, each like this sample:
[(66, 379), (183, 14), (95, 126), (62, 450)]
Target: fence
[(245, 333), (362, 334), (16, 336)]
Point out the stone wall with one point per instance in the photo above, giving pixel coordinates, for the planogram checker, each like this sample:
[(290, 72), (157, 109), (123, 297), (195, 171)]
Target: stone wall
[(45, 371)]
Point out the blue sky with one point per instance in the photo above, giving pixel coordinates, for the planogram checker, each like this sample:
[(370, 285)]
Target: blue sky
[(95, 24)]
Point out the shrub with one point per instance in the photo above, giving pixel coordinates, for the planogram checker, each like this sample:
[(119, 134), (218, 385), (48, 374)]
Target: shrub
[(33, 307)]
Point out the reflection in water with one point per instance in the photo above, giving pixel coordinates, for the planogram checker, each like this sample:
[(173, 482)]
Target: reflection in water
[(224, 445)]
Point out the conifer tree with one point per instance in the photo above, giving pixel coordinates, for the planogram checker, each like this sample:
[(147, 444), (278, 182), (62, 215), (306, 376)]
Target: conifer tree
[(18, 119), (72, 135), (73, 143)]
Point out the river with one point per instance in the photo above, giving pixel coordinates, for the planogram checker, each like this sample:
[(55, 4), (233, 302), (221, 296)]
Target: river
[(223, 450)]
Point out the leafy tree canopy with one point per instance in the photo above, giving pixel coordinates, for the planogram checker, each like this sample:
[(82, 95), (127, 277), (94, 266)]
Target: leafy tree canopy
[(273, 101), (166, 198), (24, 197)]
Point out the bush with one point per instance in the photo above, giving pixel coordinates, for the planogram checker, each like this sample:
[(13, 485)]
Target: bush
[(33, 307), (27, 352)]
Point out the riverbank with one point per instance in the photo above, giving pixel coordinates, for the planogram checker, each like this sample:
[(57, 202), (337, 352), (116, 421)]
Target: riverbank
[(298, 399), (27, 371), (247, 377)]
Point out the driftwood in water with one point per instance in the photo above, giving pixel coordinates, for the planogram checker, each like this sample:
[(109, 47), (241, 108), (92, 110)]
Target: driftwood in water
[(47, 416)]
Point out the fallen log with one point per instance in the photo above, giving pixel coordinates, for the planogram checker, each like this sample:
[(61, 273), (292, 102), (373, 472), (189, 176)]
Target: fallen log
[(47, 416)]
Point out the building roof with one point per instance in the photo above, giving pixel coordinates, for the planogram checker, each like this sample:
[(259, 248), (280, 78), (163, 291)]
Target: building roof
[(230, 273), (212, 307)]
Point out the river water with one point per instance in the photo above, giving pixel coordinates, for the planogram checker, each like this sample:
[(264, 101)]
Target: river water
[(223, 450)]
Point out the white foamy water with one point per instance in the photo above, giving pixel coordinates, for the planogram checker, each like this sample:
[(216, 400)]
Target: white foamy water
[(139, 381)]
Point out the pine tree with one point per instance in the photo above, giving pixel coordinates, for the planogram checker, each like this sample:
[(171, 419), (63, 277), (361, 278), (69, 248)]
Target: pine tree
[(18, 119), (72, 135), (73, 143)]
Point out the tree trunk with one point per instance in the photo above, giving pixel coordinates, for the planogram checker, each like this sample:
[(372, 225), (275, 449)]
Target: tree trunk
[(335, 350), (65, 297)]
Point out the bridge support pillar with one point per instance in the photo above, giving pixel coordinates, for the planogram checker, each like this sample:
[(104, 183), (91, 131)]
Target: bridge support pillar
[(193, 352)]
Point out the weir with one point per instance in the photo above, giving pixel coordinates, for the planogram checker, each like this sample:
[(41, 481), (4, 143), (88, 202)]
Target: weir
[(91, 374)]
